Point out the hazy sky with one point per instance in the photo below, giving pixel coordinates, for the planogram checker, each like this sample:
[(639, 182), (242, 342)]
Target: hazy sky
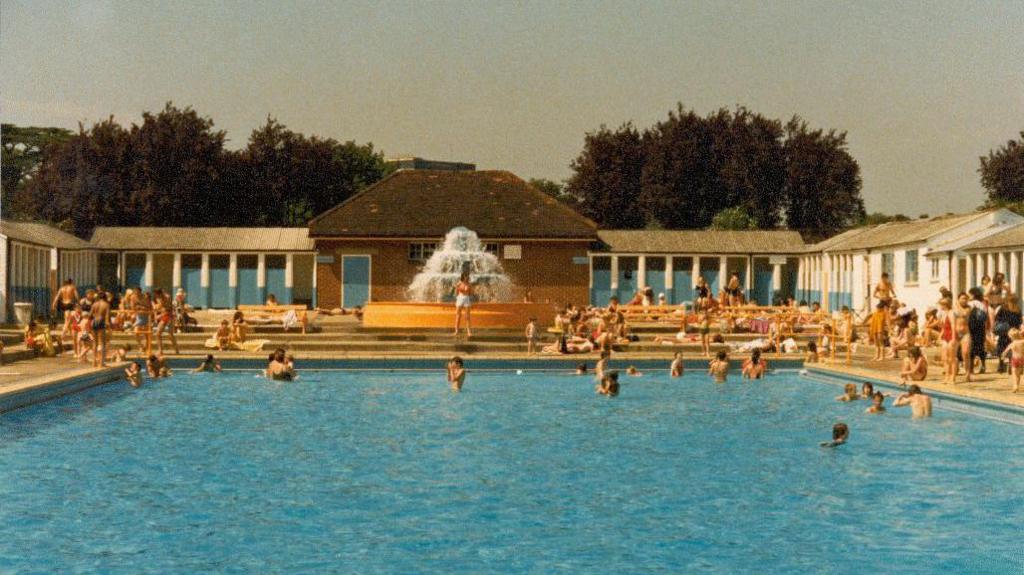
[(923, 89)]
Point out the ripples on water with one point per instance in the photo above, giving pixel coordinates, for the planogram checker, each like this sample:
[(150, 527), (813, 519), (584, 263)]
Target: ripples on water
[(391, 472)]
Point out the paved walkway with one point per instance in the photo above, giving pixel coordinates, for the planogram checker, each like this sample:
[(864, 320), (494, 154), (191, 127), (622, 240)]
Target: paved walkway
[(992, 386)]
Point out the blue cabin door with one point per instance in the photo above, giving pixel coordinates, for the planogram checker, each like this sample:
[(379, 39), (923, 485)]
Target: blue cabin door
[(220, 284), (134, 271), (355, 280), (682, 280), (601, 279), (655, 276), (762, 282), (275, 277), (628, 269), (249, 292), (191, 280), (709, 271)]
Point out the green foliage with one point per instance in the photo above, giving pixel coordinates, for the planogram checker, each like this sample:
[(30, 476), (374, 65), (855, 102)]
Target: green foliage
[(607, 177), (1002, 173), (21, 152), (173, 169), (875, 218), (735, 218), (687, 169)]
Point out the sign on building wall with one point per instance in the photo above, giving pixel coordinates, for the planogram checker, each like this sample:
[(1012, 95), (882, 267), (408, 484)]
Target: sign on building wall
[(513, 252), (325, 259)]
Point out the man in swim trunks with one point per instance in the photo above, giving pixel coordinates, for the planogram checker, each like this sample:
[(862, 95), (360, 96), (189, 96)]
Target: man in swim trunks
[(920, 404), (100, 322), (884, 291), (66, 298)]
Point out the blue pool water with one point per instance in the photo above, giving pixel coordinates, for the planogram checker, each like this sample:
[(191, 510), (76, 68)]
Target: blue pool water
[(367, 472)]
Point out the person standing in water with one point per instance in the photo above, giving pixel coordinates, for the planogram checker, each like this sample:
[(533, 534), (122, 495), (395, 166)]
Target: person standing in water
[(463, 303), (920, 404), (719, 367), (456, 373)]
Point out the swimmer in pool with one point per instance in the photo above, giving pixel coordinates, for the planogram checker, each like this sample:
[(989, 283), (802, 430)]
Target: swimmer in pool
[(134, 374), (867, 390), (719, 367), (840, 433), (456, 373), (581, 369), (609, 385), (676, 369), (602, 365), (920, 404), (209, 364), (877, 403), (849, 393), (633, 371)]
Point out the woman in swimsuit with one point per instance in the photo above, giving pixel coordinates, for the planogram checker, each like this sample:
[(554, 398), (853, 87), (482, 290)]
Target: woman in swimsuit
[(995, 295), (143, 329), (463, 302), (164, 314), (733, 290)]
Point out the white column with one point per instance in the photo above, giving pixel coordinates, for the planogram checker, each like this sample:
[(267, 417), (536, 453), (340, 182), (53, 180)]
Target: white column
[(776, 278), (204, 272), (147, 274), (615, 274), (723, 273), (696, 270), (969, 262), (176, 276), (750, 272), (1015, 270), (120, 269), (233, 270), (641, 272), (289, 271), (261, 271), (669, 272), (991, 268)]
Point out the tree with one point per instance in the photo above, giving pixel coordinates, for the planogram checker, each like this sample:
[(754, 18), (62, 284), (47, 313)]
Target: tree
[(735, 218), (173, 170), (607, 177), (822, 193), (555, 190), (296, 177), (1002, 173), (875, 218), (696, 167), (693, 167), (22, 152)]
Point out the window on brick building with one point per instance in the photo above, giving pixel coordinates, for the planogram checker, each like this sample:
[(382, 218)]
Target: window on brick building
[(491, 248), (421, 251)]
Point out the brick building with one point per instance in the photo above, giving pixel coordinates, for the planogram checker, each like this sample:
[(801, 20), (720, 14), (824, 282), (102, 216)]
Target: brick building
[(371, 246)]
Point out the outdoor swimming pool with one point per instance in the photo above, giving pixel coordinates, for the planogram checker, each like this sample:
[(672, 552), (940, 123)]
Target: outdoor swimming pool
[(369, 472)]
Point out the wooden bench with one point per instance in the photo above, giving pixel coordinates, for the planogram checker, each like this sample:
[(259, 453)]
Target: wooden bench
[(276, 313)]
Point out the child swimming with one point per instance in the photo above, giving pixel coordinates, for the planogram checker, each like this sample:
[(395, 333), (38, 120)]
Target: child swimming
[(840, 433), (877, 403), (849, 393), (719, 367), (209, 364)]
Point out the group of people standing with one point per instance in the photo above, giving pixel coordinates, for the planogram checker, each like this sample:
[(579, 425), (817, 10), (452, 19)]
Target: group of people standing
[(89, 319), (982, 321)]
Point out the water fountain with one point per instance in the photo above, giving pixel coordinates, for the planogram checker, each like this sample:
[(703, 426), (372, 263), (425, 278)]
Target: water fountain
[(461, 253), (432, 292)]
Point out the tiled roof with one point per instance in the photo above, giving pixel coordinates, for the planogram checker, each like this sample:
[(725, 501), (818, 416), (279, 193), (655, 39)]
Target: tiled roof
[(42, 234), (703, 241), (428, 203), (202, 239), (1010, 238), (896, 233)]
